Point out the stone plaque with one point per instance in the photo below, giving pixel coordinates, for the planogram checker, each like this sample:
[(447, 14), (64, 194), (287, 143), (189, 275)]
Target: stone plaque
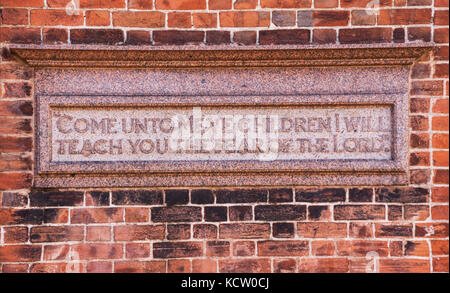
[(221, 117)]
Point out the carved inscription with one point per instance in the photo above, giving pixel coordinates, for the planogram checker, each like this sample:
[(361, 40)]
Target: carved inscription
[(221, 133)]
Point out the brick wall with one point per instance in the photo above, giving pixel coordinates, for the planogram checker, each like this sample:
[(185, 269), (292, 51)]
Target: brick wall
[(300, 229)]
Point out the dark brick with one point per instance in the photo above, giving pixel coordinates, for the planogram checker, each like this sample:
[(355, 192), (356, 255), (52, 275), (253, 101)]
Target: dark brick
[(202, 196), (280, 212), (56, 233), (401, 195), (288, 36), (365, 35), (244, 38), (320, 195), (217, 37), (241, 196), (177, 249), (96, 36), (98, 198), (395, 213), (241, 213), (360, 194), (176, 197), (218, 248), (22, 216), (216, 214), (280, 195), (399, 35), (283, 230), (137, 197), (283, 18), (390, 230), (56, 198), (56, 215), (15, 144), (176, 37), (138, 38), (176, 214), (359, 212), (317, 212), (17, 89)]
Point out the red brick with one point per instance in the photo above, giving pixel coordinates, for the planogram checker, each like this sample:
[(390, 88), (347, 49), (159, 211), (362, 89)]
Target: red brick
[(97, 18), (440, 141), (322, 230), (98, 233), (260, 265), (56, 252), (99, 267), (23, 3), (440, 71), (12, 162), (432, 230), (440, 264), (441, 53), (15, 234), (179, 19), (439, 212), (204, 266), (98, 251), (14, 16), (137, 250), (219, 4), (441, 17), (365, 35), (440, 177), (331, 17), (399, 265), (244, 19), (361, 17), (102, 3), (416, 212), (14, 268), (323, 248), (20, 253), (137, 215), (180, 4), (52, 17), (440, 106), (140, 4), (15, 71), (138, 232), (14, 180), (439, 247), (361, 230), (218, 248), (205, 20), (285, 265), (150, 19), (245, 4), (440, 158), (15, 144), (326, 3), (441, 35), (441, 3), (244, 248), (393, 230), (359, 212), (361, 247), (439, 194), (74, 267), (15, 126), (97, 215), (179, 266), (323, 265), (363, 3), (244, 231), (404, 16), (396, 248), (140, 267), (286, 3)]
